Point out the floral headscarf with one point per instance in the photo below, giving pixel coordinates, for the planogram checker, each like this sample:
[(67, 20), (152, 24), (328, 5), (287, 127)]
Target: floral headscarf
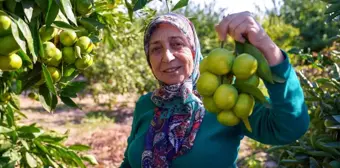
[(179, 110)]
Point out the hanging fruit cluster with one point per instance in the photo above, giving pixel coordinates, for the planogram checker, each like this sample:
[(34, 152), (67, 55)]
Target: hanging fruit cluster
[(45, 44), (9, 60), (229, 83)]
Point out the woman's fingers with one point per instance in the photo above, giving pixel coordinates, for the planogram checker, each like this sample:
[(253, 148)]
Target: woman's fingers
[(239, 32), (222, 27), (237, 29), (235, 25)]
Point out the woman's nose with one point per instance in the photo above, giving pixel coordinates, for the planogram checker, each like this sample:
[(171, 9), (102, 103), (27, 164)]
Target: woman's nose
[(168, 56)]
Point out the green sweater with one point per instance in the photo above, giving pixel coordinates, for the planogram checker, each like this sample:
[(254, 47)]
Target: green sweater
[(217, 145)]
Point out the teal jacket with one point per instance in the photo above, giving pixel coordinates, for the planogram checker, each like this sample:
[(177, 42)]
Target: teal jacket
[(217, 145)]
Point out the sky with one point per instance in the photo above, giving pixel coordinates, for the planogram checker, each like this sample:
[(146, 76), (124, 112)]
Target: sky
[(239, 5), (232, 6)]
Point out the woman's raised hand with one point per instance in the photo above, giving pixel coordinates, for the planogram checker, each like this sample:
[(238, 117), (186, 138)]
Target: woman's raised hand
[(242, 26)]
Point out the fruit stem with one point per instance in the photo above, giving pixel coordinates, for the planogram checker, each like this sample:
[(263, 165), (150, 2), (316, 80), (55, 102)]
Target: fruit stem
[(222, 44), (247, 124), (230, 78)]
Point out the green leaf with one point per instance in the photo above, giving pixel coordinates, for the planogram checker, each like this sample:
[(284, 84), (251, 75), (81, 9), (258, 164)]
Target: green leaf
[(278, 79), (43, 4), (79, 147), (301, 156), (322, 80), (239, 48), (40, 146), (54, 164), (21, 114), (333, 8), (180, 4), (54, 101), (139, 4), (67, 10), (77, 159), (37, 11), (26, 58), (48, 79), (15, 102), (11, 5), (63, 26), (263, 70), (51, 138), (72, 89), (254, 91), (91, 24), (52, 12), (336, 71), (13, 154), (5, 145), (4, 130), (32, 78), (28, 9), (275, 148), (336, 117), (313, 163), (10, 164), (37, 44), (90, 158), (291, 161), (68, 70), (25, 30), (335, 127), (24, 143), (130, 10), (10, 116), (47, 99), (69, 102), (18, 38), (70, 77), (328, 149), (28, 129), (333, 144), (30, 160)]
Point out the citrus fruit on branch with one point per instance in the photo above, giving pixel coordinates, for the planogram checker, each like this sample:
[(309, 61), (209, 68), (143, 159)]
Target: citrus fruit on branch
[(229, 81)]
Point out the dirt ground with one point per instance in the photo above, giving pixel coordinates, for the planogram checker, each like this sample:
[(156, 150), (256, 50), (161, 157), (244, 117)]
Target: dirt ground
[(104, 130)]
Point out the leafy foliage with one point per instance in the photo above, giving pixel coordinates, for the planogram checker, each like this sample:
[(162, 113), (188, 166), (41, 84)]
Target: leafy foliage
[(120, 63), (320, 146), (309, 16), (204, 19), (46, 74), (284, 35), (319, 74)]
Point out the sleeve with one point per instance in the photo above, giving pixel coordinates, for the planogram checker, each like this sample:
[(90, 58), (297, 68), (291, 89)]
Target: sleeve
[(287, 119), (125, 163)]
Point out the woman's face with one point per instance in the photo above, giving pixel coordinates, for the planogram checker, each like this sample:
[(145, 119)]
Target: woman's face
[(170, 54)]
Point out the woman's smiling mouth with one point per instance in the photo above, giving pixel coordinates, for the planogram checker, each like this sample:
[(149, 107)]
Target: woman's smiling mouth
[(171, 70)]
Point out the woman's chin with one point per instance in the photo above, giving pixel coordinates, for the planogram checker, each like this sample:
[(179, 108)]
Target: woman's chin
[(174, 80)]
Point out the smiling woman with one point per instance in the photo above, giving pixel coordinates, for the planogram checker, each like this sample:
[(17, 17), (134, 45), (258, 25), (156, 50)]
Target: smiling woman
[(172, 128), (171, 55)]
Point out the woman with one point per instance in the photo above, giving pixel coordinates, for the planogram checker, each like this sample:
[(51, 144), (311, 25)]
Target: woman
[(170, 126)]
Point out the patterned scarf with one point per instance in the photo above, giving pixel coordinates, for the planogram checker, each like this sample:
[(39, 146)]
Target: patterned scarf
[(179, 110)]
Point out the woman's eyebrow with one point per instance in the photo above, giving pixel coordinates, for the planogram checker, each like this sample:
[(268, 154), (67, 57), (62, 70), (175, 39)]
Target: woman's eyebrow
[(176, 37), (155, 42), (171, 38)]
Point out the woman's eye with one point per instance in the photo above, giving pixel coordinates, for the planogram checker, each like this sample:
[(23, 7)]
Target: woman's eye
[(155, 49), (177, 45)]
